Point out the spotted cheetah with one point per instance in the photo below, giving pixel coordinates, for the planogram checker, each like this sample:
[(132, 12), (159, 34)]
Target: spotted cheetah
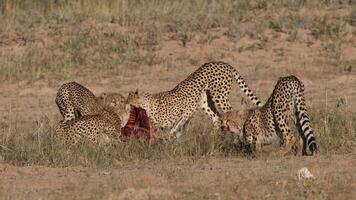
[(103, 127), (116, 101), (233, 121), (87, 116), (112, 100), (75, 100), (263, 125), (208, 87)]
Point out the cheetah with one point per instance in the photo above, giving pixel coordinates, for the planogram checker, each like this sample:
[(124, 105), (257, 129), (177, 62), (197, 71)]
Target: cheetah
[(233, 121), (208, 87), (116, 101), (262, 125), (112, 99), (85, 115), (98, 128), (75, 100)]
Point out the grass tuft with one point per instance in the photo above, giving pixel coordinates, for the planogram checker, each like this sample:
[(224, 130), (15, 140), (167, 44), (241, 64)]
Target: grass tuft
[(335, 132)]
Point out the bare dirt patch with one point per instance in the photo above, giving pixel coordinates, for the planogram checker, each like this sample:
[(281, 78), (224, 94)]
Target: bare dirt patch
[(182, 178)]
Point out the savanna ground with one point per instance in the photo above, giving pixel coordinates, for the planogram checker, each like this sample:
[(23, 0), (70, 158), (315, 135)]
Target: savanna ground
[(118, 46)]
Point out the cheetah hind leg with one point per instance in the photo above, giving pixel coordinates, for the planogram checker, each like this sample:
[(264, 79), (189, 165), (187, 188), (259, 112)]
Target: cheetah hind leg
[(300, 147), (208, 106), (220, 100)]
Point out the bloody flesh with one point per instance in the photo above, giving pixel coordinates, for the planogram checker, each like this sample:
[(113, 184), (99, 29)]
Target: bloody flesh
[(138, 124)]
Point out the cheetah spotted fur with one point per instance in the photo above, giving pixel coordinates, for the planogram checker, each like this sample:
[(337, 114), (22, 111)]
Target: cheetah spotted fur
[(208, 88), (86, 116), (99, 128), (260, 126), (74, 101)]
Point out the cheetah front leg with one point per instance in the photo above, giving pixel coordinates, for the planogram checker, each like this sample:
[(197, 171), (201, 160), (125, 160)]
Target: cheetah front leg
[(287, 136), (177, 129), (251, 136), (61, 108), (69, 113), (254, 144)]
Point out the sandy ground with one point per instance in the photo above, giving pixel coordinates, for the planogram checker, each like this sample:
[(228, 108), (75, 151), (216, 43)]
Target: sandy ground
[(187, 178)]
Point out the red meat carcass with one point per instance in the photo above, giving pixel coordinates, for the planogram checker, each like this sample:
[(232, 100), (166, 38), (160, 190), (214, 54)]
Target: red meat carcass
[(138, 124)]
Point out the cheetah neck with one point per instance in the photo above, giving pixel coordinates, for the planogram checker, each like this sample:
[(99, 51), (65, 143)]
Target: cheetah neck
[(146, 104)]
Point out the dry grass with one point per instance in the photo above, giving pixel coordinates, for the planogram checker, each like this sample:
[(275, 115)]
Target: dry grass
[(118, 46), (57, 38), (335, 132), (201, 165)]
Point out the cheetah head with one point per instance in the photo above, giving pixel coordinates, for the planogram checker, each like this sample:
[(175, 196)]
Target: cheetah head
[(233, 121), (138, 99), (124, 114), (114, 100)]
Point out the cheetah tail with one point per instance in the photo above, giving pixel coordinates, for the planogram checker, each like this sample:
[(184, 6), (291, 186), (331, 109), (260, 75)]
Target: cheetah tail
[(303, 121), (243, 86)]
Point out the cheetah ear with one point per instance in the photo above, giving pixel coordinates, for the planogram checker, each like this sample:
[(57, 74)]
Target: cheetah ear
[(102, 96), (136, 92)]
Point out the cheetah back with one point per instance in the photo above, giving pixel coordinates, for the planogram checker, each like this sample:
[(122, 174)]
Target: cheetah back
[(214, 80), (91, 127), (74, 100)]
